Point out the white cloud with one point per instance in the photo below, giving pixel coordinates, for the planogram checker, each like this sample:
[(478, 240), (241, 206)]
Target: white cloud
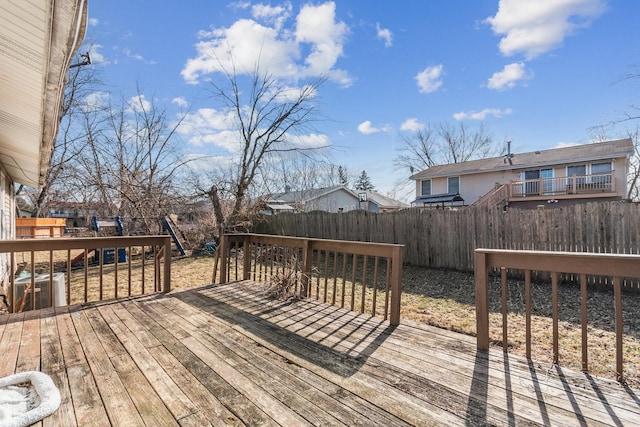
[(93, 22), (534, 27), (210, 126), (430, 79), (132, 55), (509, 77), (385, 34), (291, 94), (138, 104), (317, 26), (412, 125), (273, 46), (180, 101), (482, 115), (96, 101), (240, 5), (566, 144), (314, 140), (96, 56), (276, 15), (367, 128)]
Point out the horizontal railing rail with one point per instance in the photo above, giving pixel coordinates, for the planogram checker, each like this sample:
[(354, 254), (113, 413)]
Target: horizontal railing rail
[(360, 276), (85, 269), (583, 184), (614, 266)]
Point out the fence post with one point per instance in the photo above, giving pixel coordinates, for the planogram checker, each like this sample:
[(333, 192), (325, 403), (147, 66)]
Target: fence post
[(396, 285), (246, 258), (482, 299), (307, 260), (224, 252), (167, 264)]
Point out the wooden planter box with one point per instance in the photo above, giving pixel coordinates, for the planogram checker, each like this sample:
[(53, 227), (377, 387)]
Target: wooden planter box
[(29, 228)]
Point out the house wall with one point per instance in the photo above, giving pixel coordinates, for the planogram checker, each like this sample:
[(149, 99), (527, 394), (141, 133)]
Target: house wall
[(7, 221), (333, 202), (474, 186)]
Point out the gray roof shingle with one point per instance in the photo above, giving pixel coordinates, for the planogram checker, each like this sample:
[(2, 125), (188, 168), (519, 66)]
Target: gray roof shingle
[(542, 158)]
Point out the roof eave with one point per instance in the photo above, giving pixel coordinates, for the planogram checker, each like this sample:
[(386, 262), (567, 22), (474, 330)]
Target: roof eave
[(68, 23)]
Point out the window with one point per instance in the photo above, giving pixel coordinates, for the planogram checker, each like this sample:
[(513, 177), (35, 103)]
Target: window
[(601, 174), (453, 185), (598, 168), (578, 171), (547, 180), (426, 187)]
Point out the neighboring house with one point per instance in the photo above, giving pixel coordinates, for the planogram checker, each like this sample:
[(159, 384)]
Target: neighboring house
[(332, 199), (77, 214), (37, 43), (556, 177)]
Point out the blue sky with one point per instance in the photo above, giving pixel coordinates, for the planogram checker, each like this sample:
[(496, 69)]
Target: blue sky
[(540, 73)]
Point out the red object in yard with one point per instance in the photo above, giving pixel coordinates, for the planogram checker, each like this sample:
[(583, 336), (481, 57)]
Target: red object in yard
[(80, 257)]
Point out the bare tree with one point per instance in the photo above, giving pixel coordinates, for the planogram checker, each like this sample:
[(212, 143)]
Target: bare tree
[(267, 117), (602, 133), (633, 178), (130, 165), (443, 144), (71, 139)]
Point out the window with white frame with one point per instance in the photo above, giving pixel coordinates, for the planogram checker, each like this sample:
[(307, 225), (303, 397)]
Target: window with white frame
[(601, 174), (577, 171), (425, 185), (453, 185)]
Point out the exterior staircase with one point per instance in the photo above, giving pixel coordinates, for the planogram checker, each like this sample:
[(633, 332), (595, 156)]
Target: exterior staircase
[(497, 196)]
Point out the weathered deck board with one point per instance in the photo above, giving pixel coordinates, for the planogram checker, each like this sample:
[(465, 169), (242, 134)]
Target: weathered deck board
[(224, 355), (400, 354)]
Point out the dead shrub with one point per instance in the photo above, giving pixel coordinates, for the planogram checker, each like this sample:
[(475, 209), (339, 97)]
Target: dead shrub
[(287, 281)]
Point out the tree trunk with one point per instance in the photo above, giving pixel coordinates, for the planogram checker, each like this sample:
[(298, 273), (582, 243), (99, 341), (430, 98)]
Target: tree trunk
[(214, 196)]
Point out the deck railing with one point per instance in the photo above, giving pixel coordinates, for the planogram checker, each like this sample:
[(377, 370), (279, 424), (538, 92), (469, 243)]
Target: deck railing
[(614, 266), (566, 185), (365, 277), (80, 270)]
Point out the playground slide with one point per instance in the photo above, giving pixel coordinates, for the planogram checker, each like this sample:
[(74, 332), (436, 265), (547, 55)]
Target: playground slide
[(80, 257)]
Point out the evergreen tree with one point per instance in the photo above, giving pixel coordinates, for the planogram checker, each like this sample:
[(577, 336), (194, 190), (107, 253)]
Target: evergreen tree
[(364, 182), (343, 178)]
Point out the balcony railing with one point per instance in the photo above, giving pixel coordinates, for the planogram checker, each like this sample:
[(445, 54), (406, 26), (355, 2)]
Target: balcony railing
[(364, 277), (568, 185), (614, 267), (71, 271)]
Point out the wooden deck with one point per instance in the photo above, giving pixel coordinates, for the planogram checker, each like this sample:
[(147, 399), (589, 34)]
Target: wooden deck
[(223, 355)]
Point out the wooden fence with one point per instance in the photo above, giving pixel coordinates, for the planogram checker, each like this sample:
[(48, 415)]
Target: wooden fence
[(446, 239)]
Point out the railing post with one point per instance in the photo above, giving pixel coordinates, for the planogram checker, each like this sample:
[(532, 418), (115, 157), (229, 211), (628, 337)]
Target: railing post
[(167, 264), (224, 251), (246, 258), (307, 261), (396, 285), (617, 297), (482, 300)]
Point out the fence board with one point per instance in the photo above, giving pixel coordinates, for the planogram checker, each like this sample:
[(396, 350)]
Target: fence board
[(438, 238)]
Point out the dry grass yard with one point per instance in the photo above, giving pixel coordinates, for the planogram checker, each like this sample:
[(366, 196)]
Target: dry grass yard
[(446, 299)]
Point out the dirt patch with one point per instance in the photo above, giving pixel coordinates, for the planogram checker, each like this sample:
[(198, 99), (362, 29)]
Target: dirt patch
[(446, 299)]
